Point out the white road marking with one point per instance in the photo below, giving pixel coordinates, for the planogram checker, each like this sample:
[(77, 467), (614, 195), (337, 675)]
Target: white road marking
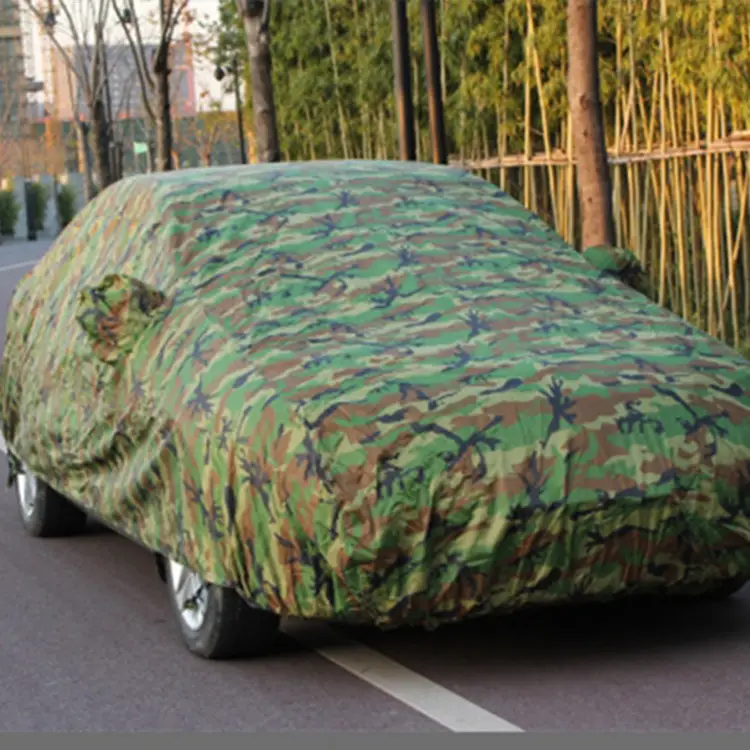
[(437, 703), (26, 263)]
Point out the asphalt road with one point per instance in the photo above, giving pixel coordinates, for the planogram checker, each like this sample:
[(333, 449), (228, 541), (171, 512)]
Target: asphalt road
[(87, 643)]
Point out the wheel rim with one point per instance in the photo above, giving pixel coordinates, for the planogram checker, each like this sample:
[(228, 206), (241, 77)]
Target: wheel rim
[(190, 593), (27, 491)]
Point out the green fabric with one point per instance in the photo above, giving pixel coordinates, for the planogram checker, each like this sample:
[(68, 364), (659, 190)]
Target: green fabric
[(374, 390), (619, 262), (115, 313)]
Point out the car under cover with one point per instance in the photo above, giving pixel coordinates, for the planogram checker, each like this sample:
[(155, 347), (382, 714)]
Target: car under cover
[(374, 390)]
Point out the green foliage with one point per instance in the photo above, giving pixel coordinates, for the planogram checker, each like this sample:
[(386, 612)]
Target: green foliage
[(66, 205), (479, 41), (36, 195), (10, 210)]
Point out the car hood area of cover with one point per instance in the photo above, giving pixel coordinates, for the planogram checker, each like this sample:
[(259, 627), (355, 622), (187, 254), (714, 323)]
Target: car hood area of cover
[(374, 390)]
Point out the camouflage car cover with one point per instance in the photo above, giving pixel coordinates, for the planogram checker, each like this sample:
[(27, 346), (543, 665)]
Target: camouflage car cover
[(374, 390)]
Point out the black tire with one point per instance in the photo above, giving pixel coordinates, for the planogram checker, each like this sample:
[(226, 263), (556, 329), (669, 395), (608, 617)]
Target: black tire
[(231, 629), (51, 514)]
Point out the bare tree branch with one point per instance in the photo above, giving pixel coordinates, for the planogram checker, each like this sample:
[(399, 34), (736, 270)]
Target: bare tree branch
[(140, 44), (80, 46), (56, 42), (175, 19), (137, 49)]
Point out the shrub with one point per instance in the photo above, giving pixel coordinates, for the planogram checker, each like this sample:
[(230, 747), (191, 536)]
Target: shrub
[(66, 205), (36, 194), (9, 212)]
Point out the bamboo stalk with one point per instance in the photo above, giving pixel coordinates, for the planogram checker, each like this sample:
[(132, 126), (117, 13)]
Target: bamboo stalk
[(648, 177), (506, 84), (717, 243), (327, 136), (462, 115), (728, 268), (310, 136), (571, 183), (739, 238), (620, 215), (343, 125), (746, 248), (676, 170), (543, 109), (486, 149), (633, 171), (363, 105)]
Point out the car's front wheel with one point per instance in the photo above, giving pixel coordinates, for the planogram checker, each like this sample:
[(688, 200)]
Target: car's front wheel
[(215, 622), (45, 512)]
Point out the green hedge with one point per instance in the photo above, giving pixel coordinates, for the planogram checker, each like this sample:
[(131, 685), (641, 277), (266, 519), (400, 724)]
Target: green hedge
[(10, 210), (36, 195), (66, 205)]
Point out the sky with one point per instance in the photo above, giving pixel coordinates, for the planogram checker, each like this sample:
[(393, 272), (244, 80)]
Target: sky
[(204, 10)]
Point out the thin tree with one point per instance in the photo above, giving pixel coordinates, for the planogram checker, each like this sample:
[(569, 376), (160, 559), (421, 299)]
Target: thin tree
[(84, 62), (80, 128), (255, 15), (594, 188), (154, 70)]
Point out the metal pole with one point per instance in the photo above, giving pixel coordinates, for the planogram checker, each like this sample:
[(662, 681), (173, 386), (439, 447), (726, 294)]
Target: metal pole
[(238, 105), (434, 97), (402, 80), (25, 129)]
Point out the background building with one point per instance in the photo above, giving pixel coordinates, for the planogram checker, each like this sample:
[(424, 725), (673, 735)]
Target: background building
[(12, 70), (125, 88), (124, 85)]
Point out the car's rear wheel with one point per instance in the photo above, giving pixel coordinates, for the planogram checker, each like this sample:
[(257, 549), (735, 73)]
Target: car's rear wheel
[(215, 622), (45, 512)]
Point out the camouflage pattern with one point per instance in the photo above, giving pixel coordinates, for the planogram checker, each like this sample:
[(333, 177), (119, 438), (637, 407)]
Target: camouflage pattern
[(378, 391), (621, 263)]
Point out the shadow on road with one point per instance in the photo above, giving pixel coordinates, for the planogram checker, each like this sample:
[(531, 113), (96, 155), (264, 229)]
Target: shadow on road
[(576, 633)]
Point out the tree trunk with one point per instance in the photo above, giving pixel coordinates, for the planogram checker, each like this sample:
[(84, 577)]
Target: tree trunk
[(151, 153), (402, 81), (164, 161), (434, 87), (255, 15), (84, 159), (100, 126), (594, 189)]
